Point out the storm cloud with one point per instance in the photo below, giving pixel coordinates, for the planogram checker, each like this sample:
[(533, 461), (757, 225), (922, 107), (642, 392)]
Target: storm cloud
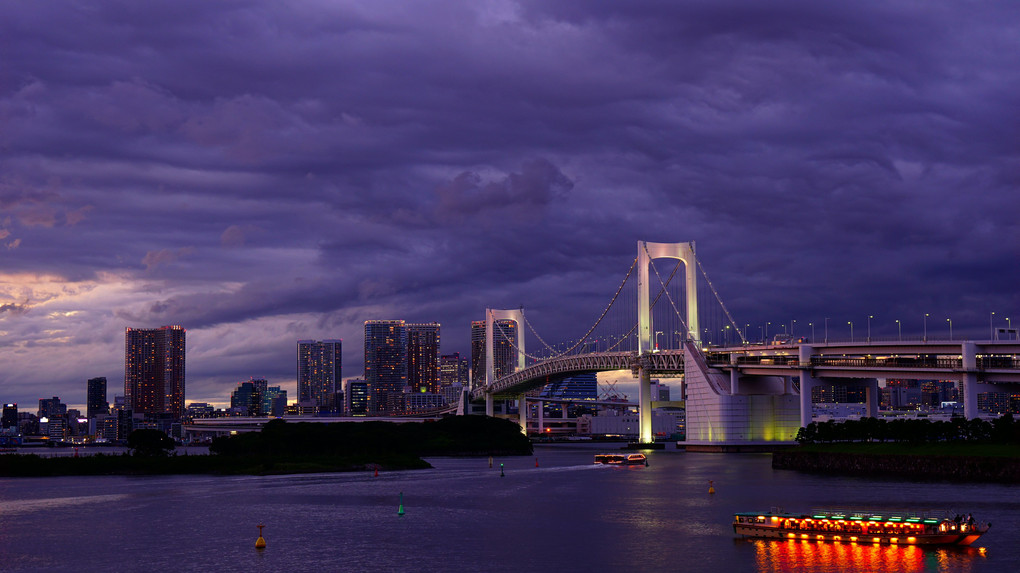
[(262, 172)]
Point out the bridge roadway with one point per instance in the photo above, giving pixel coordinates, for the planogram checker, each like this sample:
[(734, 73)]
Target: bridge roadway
[(978, 365), (663, 363)]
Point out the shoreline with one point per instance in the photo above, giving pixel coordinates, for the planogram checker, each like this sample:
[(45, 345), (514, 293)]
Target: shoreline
[(964, 468)]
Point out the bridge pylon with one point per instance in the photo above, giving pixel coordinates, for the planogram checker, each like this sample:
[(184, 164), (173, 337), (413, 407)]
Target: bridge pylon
[(491, 316), (646, 253)]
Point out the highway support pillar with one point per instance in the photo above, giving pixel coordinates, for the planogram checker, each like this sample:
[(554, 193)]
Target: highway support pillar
[(522, 410), (873, 396), (807, 382), (968, 379), (489, 409)]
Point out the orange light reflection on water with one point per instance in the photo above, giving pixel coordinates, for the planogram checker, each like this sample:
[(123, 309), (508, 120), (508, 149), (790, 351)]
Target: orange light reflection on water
[(810, 556)]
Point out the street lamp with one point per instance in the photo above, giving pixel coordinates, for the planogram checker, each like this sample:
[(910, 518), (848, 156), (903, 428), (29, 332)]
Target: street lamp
[(925, 339), (812, 325), (991, 328), (726, 336), (869, 327), (899, 327), (826, 330), (745, 331), (950, 321), (657, 333), (851, 330), (792, 322), (760, 331), (767, 330)]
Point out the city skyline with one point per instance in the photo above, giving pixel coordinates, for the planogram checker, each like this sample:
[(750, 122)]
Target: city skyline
[(263, 174)]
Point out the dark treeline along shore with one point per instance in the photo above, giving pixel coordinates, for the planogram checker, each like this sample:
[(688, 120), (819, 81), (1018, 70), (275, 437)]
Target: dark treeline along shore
[(287, 447), (958, 449)]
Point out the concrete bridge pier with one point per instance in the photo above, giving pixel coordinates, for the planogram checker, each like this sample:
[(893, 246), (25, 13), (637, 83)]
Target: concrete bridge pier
[(968, 379), (807, 382), (489, 407), (872, 396), (522, 409), (644, 404)]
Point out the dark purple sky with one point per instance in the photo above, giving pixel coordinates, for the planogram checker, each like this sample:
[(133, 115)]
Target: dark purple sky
[(263, 172)]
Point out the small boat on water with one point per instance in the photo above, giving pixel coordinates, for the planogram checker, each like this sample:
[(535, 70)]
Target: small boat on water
[(622, 459), (860, 527)]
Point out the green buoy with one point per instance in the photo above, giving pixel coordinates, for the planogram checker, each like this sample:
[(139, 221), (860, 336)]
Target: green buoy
[(400, 508)]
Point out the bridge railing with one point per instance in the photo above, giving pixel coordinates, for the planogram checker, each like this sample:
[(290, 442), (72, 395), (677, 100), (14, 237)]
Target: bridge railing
[(889, 362), (991, 362)]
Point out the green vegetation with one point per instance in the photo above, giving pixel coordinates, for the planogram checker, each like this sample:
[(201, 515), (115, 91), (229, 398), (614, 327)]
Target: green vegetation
[(955, 449), (1003, 430), (283, 447), (149, 443)]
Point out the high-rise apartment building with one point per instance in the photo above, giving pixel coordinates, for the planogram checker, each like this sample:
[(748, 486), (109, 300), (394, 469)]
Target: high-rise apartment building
[(503, 352), (386, 364), (52, 408), (154, 370), (423, 357), (10, 416), (95, 398), (318, 371), (453, 370)]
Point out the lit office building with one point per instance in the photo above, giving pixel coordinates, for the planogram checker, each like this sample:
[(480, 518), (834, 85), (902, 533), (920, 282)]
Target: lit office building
[(10, 416), (318, 372), (154, 370), (52, 408), (95, 398), (453, 370), (358, 397), (423, 357), (386, 364)]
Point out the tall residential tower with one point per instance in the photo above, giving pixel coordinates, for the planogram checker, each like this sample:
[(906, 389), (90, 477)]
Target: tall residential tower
[(154, 370), (318, 372)]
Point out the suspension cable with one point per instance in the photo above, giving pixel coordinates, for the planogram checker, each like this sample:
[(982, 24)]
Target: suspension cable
[(723, 305)]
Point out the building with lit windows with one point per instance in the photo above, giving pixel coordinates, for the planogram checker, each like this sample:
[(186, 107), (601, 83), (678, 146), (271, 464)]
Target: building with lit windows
[(154, 370), (423, 357), (95, 398), (386, 364), (453, 370), (358, 397), (319, 372)]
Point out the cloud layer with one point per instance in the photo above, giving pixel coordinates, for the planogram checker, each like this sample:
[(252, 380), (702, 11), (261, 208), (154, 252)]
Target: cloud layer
[(262, 173)]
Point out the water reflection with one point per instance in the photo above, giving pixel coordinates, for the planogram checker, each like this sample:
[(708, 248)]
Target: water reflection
[(805, 556)]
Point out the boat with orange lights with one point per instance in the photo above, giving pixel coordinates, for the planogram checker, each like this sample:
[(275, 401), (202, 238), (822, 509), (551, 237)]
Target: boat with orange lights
[(906, 528), (622, 459)]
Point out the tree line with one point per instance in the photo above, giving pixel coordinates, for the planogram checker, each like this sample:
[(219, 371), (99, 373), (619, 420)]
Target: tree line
[(1002, 430)]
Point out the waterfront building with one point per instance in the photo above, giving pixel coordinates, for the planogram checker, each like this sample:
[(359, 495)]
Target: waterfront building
[(574, 390), (358, 397), (423, 357), (418, 402), (453, 370), (201, 410), (52, 408), (274, 402), (504, 355), (154, 370), (247, 398), (319, 364), (10, 416), (95, 397), (386, 364)]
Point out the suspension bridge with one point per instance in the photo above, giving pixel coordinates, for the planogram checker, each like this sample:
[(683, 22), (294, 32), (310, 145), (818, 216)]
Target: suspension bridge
[(737, 393)]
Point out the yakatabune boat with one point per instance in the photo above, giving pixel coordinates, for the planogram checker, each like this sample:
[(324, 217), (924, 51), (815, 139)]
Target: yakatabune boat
[(860, 527), (621, 459)]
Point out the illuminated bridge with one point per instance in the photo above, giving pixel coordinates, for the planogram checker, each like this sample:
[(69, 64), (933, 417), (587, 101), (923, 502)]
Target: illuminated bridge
[(736, 393)]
